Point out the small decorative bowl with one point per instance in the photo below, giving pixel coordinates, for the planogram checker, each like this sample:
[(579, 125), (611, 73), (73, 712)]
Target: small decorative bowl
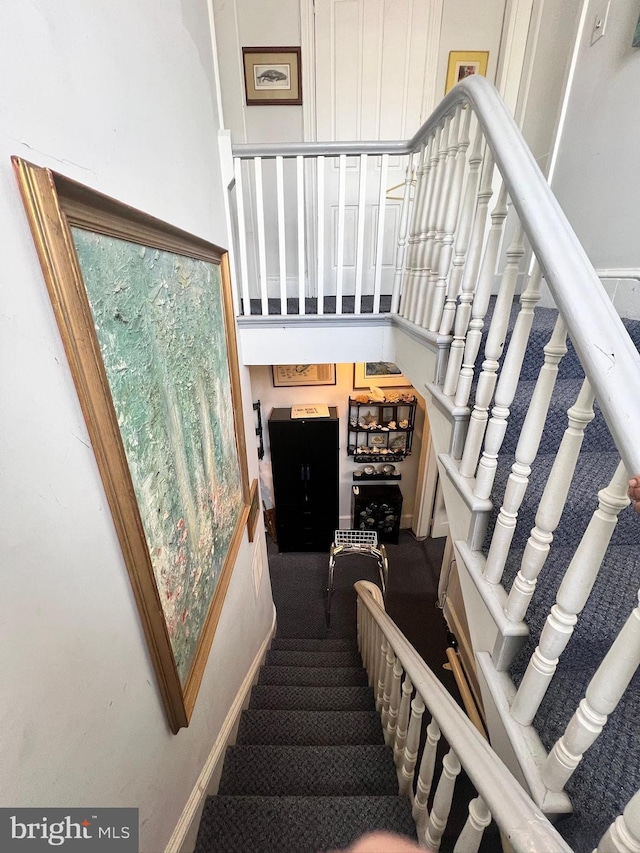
[(369, 469), (388, 469)]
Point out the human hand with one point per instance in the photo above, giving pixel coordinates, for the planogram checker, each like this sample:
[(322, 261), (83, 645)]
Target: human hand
[(634, 493), (383, 842)]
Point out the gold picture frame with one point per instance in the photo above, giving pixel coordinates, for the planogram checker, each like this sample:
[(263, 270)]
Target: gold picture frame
[(272, 76), (156, 529), (464, 63), (290, 375), (379, 374)]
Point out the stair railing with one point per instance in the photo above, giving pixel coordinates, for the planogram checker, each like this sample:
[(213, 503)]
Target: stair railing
[(405, 688)]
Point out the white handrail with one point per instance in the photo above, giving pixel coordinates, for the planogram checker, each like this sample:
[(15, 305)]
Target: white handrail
[(517, 816)]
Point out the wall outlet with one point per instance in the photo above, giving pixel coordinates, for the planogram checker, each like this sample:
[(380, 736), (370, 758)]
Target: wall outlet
[(600, 21)]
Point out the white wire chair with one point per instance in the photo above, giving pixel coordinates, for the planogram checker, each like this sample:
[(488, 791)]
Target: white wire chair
[(364, 543)]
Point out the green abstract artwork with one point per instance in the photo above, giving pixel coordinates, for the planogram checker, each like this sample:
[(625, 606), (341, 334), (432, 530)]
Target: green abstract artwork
[(159, 321)]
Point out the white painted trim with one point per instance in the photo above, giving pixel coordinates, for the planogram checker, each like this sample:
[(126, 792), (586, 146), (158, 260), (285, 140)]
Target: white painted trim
[(216, 66), (199, 792), (432, 51), (621, 272), (308, 55), (513, 45)]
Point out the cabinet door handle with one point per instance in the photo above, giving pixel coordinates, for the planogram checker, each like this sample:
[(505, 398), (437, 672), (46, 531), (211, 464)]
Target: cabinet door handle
[(308, 474), (302, 472)]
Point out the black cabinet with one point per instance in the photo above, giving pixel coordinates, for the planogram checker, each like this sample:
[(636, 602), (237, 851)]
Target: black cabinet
[(304, 462), (377, 508)]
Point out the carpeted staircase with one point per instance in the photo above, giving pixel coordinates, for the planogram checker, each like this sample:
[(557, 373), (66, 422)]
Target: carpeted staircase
[(310, 770)]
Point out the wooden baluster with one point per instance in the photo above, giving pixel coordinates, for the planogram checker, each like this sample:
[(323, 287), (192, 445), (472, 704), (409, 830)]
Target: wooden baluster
[(471, 835), (425, 775), (429, 273), (438, 261), (388, 683), (470, 278), (623, 836), (382, 211), (458, 148), (382, 673), (418, 213), (572, 596), (510, 373), (342, 189), (601, 698), (411, 747), (467, 258), (481, 299), (377, 648), (463, 225), (551, 505), (526, 452), (242, 236), (442, 801), (282, 248), (495, 340), (262, 251), (362, 197), (321, 212), (406, 231), (425, 243), (394, 704), (301, 224), (403, 722)]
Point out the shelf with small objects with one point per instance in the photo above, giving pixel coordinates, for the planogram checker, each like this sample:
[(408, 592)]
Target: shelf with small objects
[(380, 432)]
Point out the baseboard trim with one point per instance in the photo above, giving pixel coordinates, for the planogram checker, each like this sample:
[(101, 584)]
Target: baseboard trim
[(181, 831)]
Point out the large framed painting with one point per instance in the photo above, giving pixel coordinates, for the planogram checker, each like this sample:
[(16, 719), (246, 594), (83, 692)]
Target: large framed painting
[(146, 318), (380, 374)]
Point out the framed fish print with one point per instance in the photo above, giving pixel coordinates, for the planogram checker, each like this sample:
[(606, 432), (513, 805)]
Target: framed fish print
[(272, 76)]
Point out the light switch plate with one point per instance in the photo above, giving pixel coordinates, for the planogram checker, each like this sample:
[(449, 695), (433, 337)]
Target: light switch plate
[(600, 21)]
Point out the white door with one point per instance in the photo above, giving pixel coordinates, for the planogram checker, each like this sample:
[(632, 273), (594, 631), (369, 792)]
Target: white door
[(375, 66)]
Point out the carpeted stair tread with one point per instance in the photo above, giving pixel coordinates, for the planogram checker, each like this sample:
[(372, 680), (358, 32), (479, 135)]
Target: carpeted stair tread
[(302, 644), (298, 698), (283, 657), (297, 824), (318, 771), (314, 676), (313, 728)]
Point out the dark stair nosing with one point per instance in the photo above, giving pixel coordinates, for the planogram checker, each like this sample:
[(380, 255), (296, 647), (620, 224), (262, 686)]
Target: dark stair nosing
[(287, 657), (260, 770), (313, 728), (309, 675), (297, 824), (276, 697)]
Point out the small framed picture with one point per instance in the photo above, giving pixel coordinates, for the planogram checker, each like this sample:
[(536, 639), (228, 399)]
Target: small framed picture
[(464, 63), (381, 374), (272, 76), (285, 375)]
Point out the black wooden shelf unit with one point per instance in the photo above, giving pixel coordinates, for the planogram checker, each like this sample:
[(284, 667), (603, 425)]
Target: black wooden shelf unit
[(380, 432)]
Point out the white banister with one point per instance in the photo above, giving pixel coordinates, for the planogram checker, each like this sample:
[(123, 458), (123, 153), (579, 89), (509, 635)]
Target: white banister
[(425, 775), (405, 232), (301, 250), (262, 251), (427, 229), (507, 386), (282, 248), (382, 211), (517, 817), (551, 505), (603, 694), (495, 338), (572, 596), (242, 237), (320, 232), (442, 801), (526, 452), (394, 704), (402, 727), (342, 172), (362, 195), (623, 836), (418, 211), (471, 836), (388, 684)]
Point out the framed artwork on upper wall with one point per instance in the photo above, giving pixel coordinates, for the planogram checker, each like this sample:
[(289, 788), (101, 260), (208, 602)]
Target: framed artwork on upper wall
[(146, 318), (285, 375), (464, 63), (381, 374), (272, 76)]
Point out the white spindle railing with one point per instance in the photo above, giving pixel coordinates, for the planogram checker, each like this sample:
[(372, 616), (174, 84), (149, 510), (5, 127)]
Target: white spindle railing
[(499, 795), (623, 836)]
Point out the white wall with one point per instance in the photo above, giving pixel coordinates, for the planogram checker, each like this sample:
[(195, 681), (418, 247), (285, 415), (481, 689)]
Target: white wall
[(335, 395), (120, 96), (597, 179)]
